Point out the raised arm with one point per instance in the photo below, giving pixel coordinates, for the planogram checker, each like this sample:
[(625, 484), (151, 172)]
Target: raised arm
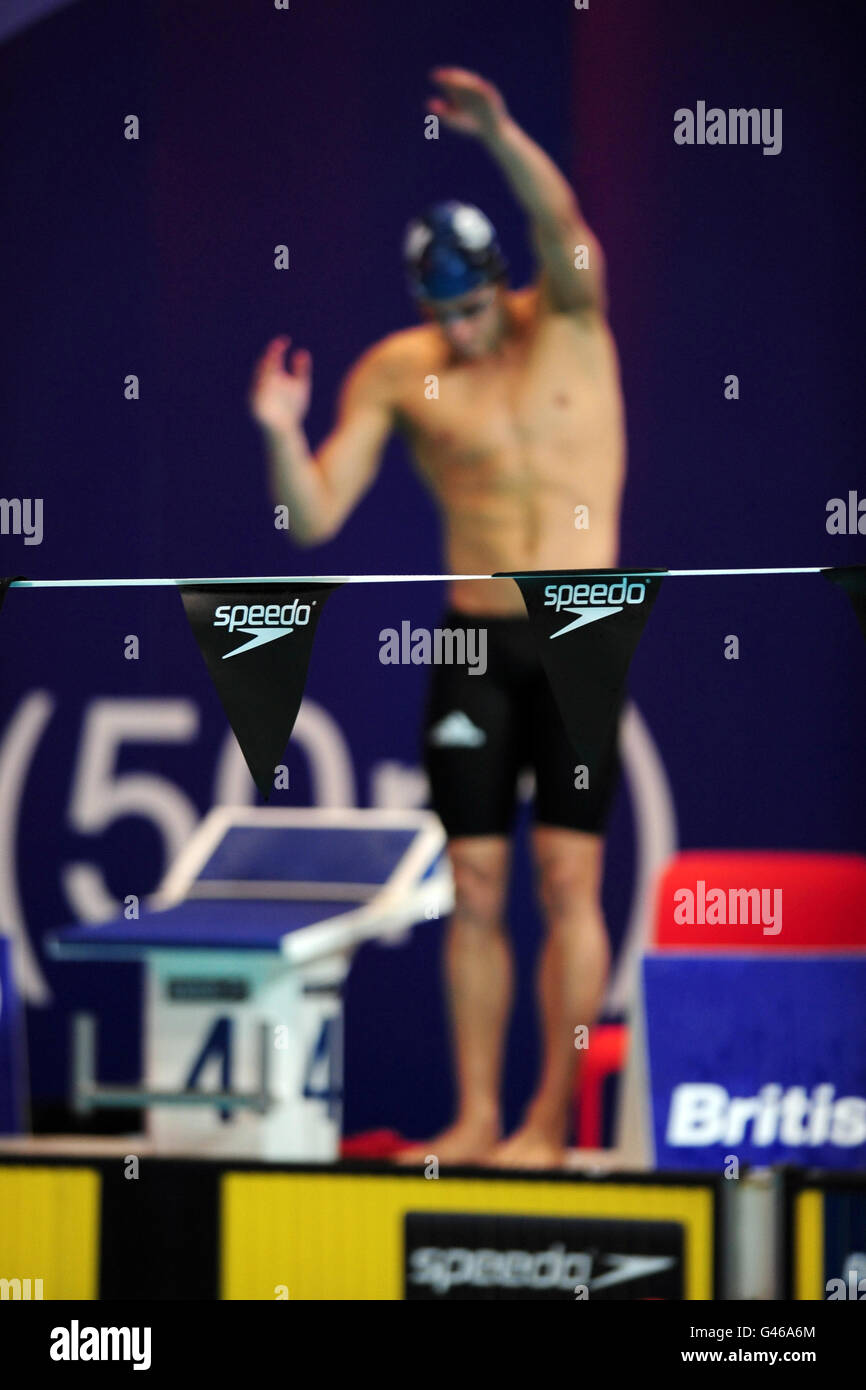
[(321, 488), (473, 106)]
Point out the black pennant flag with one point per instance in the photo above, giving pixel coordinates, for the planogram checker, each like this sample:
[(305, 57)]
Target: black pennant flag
[(4, 585), (587, 624), (851, 578), (256, 640)]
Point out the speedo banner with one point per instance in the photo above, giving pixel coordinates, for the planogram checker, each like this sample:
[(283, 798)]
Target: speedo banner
[(851, 578), (587, 625), (761, 1059), (4, 585), (465, 1255), (257, 641)]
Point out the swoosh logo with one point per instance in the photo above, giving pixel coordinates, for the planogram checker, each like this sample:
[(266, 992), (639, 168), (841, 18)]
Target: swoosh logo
[(261, 635), (586, 615), (628, 1267)]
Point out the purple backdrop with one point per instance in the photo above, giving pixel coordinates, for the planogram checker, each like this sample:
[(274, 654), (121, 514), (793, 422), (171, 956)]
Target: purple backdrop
[(155, 257)]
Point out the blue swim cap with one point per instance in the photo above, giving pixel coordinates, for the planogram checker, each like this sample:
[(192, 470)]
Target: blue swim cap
[(451, 250)]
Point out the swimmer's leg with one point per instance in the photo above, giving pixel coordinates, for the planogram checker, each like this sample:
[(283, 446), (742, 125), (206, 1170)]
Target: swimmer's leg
[(479, 973), (573, 969)]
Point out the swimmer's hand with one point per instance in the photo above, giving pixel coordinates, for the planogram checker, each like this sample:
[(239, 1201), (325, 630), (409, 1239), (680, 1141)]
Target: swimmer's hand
[(280, 399), (470, 105)]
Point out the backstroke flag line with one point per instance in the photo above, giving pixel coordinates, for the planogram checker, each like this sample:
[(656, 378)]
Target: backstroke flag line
[(256, 637), (587, 626), (257, 641)]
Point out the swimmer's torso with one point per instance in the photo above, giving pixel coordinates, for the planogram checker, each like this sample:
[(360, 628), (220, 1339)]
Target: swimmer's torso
[(514, 443)]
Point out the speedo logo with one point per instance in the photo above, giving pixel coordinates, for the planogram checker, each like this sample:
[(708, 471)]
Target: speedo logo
[(703, 1113), (554, 1268), (592, 601), (264, 622)]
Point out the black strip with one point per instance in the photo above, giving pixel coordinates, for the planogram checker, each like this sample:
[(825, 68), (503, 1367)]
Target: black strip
[(159, 1234), (790, 1187), (819, 1177), (383, 1168)]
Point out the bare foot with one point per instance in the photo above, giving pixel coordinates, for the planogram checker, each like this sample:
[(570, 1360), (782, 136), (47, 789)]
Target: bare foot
[(528, 1148), (462, 1143)]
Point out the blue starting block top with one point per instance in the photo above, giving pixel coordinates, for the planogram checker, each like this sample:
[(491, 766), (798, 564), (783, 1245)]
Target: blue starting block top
[(251, 926), (281, 854), (254, 878)]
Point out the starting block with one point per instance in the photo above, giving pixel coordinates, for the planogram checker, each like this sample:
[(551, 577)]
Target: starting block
[(246, 947)]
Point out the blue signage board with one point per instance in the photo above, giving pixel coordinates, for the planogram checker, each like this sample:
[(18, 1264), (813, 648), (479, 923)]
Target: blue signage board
[(758, 1058)]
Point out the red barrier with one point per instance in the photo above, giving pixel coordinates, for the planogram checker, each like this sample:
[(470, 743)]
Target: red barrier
[(608, 1043), (761, 900)]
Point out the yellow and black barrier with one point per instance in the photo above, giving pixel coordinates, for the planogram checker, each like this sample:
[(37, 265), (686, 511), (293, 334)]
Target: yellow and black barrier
[(824, 1225), (181, 1229)]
